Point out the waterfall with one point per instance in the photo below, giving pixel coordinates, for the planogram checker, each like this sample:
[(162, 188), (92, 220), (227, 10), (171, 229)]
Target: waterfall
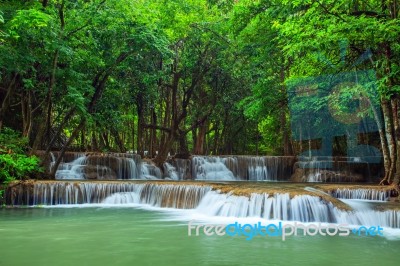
[(201, 199), (317, 170), (71, 170), (211, 168), (56, 193), (102, 167), (183, 168), (302, 208), (363, 214), (362, 194), (109, 166), (171, 196), (335, 169), (171, 171), (266, 168), (149, 171), (253, 168)]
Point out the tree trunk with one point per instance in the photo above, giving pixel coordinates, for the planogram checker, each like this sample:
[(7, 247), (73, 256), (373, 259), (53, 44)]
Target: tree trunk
[(153, 134), (95, 145), (74, 135), (384, 145), (164, 150), (139, 139), (118, 141), (133, 135), (395, 112), (7, 99), (200, 139), (183, 146), (388, 119)]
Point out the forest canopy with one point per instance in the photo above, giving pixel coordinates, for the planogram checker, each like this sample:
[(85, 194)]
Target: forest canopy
[(181, 77)]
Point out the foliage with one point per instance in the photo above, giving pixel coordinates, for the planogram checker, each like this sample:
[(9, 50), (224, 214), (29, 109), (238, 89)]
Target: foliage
[(14, 164), (210, 77), (11, 141)]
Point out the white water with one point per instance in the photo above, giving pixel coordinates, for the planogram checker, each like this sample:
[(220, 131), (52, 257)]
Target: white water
[(71, 170), (254, 168), (60, 193), (146, 171), (257, 169), (123, 166), (208, 203), (262, 168), (363, 194), (105, 168), (302, 208), (364, 215), (171, 171), (211, 168)]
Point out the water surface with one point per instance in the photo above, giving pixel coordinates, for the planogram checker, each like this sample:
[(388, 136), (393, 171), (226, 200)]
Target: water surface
[(135, 236)]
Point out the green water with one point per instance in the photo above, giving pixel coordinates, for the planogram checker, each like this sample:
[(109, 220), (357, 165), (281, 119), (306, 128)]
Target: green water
[(128, 236)]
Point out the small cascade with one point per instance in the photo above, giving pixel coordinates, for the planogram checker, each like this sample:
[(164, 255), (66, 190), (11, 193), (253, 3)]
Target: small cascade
[(71, 170), (127, 169), (335, 169), (265, 168), (303, 208), (103, 167), (171, 171), (317, 170), (163, 196), (109, 166), (183, 168), (56, 193), (123, 198), (320, 171), (150, 171), (253, 168), (361, 194), (363, 214), (211, 168)]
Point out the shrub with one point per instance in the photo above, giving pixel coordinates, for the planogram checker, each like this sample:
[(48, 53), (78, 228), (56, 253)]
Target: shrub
[(14, 163)]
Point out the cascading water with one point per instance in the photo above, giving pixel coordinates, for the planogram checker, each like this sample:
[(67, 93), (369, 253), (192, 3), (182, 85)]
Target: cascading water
[(60, 193), (253, 168), (171, 171), (106, 167), (316, 170), (232, 167), (203, 200), (362, 194), (336, 169), (265, 168), (183, 168), (364, 214), (149, 171), (302, 208), (211, 168), (71, 170)]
